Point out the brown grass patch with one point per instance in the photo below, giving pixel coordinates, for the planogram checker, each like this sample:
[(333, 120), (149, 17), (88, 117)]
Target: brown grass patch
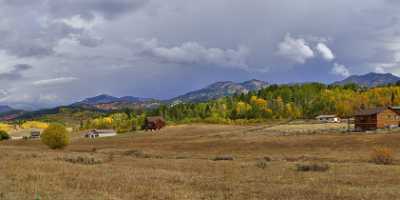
[(28, 168)]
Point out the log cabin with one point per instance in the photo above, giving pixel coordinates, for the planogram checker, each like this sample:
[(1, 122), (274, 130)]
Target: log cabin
[(377, 118)]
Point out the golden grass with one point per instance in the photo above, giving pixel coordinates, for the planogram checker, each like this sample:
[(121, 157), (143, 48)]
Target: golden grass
[(177, 163), (382, 156)]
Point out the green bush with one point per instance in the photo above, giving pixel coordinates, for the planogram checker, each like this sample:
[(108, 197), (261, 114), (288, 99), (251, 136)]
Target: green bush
[(55, 136), (4, 135)]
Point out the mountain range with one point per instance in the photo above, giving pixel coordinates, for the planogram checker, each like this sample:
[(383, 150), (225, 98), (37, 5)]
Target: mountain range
[(104, 98), (220, 89), (4, 109), (213, 91), (370, 79), (216, 90)]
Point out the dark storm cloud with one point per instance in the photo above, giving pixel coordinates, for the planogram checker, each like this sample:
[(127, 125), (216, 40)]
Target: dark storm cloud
[(15, 73), (101, 43), (89, 41), (192, 53), (33, 28), (87, 8), (31, 42)]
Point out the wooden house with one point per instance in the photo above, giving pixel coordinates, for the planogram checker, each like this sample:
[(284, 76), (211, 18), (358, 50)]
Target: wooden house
[(377, 118)]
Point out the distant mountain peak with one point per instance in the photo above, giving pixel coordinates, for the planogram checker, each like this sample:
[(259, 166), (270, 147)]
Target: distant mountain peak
[(102, 98), (108, 102), (371, 79), (220, 84), (212, 91), (221, 89), (5, 108), (254, 80)]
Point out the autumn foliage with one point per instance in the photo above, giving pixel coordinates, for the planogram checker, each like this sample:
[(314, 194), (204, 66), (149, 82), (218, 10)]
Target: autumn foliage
[(34, 124), (285, 102), (55, 136)]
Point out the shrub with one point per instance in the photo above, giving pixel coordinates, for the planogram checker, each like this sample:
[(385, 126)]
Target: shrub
[(140, 154), (83, 160), (312, 167), (382, 156), (226, 157), (55, 136), (135, 153), (262, 164), (4, 135), (267, 159)]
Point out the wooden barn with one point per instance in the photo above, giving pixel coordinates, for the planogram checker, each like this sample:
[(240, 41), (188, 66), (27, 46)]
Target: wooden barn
[(377, 118), (154, 123)]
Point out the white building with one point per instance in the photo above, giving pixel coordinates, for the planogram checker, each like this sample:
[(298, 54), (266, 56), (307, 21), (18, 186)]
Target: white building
[(101, 133), (328, 118)]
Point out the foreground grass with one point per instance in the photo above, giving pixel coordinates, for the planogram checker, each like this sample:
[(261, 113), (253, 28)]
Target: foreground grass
[(178, 163)]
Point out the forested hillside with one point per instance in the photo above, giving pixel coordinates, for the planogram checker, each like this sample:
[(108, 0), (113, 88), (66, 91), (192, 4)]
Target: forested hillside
[(297, 101), (286, 102)]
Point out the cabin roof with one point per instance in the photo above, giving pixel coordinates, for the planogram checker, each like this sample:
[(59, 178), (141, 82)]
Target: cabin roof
[(100, 131), (105, 130), (370, 111), (151, 119), (325, 116), (395, 107)]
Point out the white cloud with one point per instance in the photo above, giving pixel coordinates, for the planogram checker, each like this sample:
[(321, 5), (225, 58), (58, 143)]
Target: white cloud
[(325, 52), (3, 93), (78, 22), (54, 81), (193, 53), (295, 49), (379, 70), (48, 97), (341, 70), (384, 67), (57, 38)]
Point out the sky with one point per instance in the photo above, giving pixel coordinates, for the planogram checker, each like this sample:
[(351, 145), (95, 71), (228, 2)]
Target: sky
[(56, 52)]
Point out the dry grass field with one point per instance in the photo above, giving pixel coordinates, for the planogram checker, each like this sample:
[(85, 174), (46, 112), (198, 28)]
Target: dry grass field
[(201, 162)]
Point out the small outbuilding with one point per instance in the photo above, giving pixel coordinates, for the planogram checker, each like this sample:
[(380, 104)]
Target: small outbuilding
[(154, 123), (101, 133), (35, 134), (376, 118), (328, 118)]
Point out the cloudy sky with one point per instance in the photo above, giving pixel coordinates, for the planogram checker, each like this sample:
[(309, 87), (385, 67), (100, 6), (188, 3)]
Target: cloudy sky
[(59, 51)]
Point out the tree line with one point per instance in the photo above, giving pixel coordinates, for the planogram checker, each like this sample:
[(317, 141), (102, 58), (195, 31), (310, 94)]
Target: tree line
[(294, 101), (276, 102)]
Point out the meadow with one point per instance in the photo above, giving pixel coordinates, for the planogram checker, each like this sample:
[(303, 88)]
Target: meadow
[(202, 161)]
